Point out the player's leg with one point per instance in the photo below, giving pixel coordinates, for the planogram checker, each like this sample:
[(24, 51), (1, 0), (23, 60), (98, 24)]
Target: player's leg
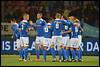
[(37, 47), (60, 47), (72, 41), (26, 42), (69, 54), (78, 50), (21, 50), (44, 53), (52, 47), (45, 42), (63, 42), (79, 44), (49, 43), (18, 48), (66, 48)]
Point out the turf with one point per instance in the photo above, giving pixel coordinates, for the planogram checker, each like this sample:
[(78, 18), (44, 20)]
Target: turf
[(12, 60)]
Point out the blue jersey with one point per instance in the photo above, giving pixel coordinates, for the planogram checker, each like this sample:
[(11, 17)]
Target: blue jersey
[(15, 29), (24, 26), (57, 26), (75, 31), (47, 31), (79, 31), (66, 26), (40, 27)]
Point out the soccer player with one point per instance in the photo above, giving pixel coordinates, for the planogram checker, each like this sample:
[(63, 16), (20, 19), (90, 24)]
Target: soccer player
[(74, 40), (78, 50), (47, 39), (66, 37), (40, 23), (24, 27), (16, 34), (57, 37)]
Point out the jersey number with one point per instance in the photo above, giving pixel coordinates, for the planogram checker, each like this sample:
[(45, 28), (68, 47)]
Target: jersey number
[(46, 29), (76, 29), (66, 27), (57, 25), (22, 27)]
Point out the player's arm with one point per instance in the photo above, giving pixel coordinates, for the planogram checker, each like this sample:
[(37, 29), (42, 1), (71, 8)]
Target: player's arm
[(12, 32), (81, 29), (20, 28), (52, 25), (14, 29), (44, 22), (66, 32)]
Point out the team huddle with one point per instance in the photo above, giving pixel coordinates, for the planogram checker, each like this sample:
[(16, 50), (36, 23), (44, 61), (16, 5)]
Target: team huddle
[(62, 35)]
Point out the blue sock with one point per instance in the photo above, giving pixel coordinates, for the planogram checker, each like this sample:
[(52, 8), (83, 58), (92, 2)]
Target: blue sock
[(60, 54), (44, 54), (37, 54), (78, 54), (73, 54), (21, 53), (64, 53), (67, 54), (25, 53), (53, 52)]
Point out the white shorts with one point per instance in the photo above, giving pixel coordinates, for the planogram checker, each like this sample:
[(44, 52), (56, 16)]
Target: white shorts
[(47, 42), (74, 42), (79, 40), (57, 41), (65, 41), (18, 43), (39, 40), (24, 41)]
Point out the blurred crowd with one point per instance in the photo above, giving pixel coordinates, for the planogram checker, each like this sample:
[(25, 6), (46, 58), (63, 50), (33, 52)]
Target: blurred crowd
[(86, 10)]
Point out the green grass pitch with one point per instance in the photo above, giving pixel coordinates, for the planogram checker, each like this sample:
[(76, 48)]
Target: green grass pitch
[(12, 60)]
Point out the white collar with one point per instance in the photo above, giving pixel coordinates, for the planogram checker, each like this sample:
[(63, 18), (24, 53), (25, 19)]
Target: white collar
[(41, 19), (57, 19), (24, 20)]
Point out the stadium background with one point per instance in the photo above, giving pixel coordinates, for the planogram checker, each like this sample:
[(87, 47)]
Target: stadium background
[(86, 11)]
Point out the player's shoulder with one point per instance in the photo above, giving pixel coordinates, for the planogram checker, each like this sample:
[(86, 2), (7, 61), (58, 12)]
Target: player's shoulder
[(49, 24), (53, 21), (57, 20), (24, 21), (41, 19)]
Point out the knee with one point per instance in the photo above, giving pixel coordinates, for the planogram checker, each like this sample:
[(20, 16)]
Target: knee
[(65, 47), (61, 46), (37, 47), (52, 46), (25, 46), (45, 47), (77, 48), (71, 48)]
